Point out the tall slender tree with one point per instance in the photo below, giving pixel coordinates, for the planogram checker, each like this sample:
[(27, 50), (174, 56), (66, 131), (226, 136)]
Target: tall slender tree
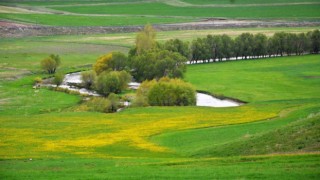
[(145, 39)]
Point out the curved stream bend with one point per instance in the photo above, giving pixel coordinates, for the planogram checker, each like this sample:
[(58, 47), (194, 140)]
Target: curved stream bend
[(202, 99)]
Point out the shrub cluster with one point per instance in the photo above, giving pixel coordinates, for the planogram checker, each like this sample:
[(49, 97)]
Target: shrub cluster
[(101, 104), (112, 82), (165, 92)]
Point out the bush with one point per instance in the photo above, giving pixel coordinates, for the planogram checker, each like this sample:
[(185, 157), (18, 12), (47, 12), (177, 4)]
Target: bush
[(37, 80), (140, 101), (112, 82), (114, 102), (58, 79), (166, 92), (88, 78), (98, 104), (124, 78), (101, 104), (108, 83)]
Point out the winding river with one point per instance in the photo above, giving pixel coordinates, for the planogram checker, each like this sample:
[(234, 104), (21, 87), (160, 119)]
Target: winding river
[(202, 99)]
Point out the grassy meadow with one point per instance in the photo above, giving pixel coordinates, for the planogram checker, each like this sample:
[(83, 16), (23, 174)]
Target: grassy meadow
[(125, 12), (46, 134), (300, 11)]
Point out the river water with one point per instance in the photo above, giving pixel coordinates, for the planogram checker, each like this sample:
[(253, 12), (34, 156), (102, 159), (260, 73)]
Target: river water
[(202, 99)]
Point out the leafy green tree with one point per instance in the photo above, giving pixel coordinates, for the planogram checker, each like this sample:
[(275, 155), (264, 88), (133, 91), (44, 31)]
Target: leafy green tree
[(271, 48), (108, 82), (214, 45), (176, 45), (238, 47), (315, 41), (200, 50), (114, 61), (51, 63), (88, 79), (260, 47), (119, 61), (156, 64), (227, 50), (279, 42), (290, 40), (103, 63), (301, 44), (247, 44), (124, 78), (145, 39), (112, 82)]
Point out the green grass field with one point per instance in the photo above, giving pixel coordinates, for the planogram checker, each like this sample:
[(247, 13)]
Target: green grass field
[(82, 20), (251, 141), (290, 11), (119, 13), (45, 134), (236, 2)]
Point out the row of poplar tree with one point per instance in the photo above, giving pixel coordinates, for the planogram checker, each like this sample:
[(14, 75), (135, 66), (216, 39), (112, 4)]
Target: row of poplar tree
[(247, 45)]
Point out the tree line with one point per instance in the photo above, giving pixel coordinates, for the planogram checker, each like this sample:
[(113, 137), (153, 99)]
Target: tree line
[(251, 46)]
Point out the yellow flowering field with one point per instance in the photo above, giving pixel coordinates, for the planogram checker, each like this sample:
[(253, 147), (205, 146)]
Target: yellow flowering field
[(57, 134)]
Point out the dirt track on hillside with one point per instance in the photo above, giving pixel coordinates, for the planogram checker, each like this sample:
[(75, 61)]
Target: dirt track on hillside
[(12, 29)]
